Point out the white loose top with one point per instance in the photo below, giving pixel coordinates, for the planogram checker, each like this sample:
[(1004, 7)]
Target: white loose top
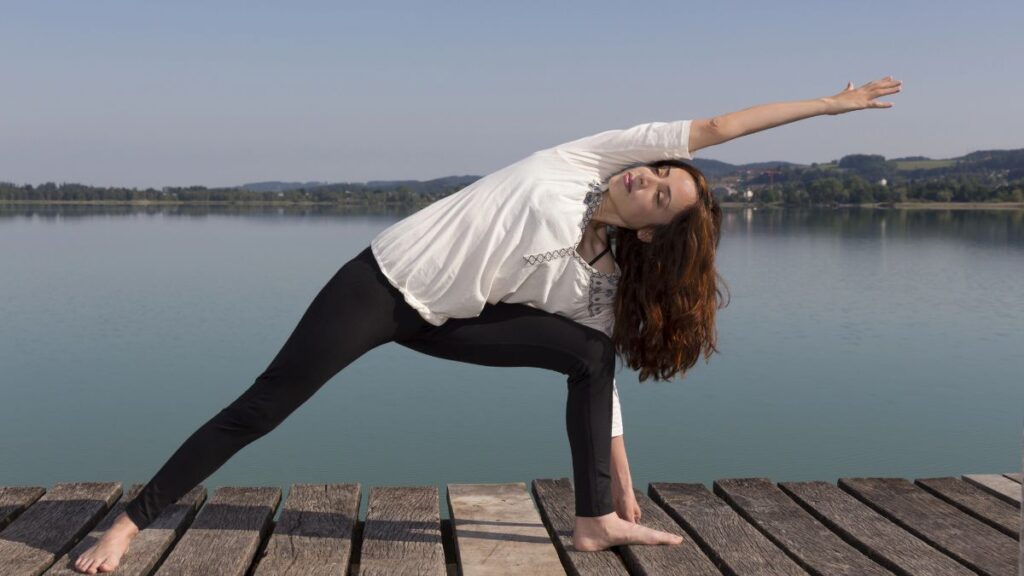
[(511, 236)]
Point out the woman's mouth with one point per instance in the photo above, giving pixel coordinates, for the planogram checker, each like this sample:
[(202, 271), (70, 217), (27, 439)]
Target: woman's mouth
[(629, 182)]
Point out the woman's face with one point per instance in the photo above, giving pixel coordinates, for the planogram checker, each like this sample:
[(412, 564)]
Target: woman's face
[(645, 197)]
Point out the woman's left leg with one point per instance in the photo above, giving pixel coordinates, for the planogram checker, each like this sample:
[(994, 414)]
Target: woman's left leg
[(519, 335)]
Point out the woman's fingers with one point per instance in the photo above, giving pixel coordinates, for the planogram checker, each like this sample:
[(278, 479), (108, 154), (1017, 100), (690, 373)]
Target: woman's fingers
[(890, 89), (884, 87), (886, 82)]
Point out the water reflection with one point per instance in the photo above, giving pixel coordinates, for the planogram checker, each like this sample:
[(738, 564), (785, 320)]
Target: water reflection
[(58, 211), (1000, 227)]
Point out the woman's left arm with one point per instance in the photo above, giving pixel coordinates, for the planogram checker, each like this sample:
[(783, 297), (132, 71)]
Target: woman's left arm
[(620, 466), (725, 127), (622, 483)]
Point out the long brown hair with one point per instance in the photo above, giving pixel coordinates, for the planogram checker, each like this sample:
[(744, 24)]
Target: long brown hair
[(668, 292)]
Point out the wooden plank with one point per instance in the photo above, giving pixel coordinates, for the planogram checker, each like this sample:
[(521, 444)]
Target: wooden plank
[(685, 558), (48, 529), (498, 531), (225, 536), (733, 545), (870, 532), (148, 546), (402, 533), (970, 541), (16, 499), (314, 532), (809, 542), (556, 502), (998, 485), (1015, 476), (976, 502)]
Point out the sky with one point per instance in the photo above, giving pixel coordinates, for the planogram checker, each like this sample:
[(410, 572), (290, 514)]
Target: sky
[(151, 94)]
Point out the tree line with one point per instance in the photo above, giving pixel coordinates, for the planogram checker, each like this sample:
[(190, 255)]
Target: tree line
[(982, 176)]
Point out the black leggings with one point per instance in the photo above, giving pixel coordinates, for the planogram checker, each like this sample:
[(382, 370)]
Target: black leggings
[(358, 310)]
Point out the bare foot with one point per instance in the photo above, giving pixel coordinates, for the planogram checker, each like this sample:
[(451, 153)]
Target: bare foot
[(601, 532), (105, 555)]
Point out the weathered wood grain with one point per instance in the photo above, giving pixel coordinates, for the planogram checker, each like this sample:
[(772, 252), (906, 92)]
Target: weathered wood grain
[(970, 541), (313, 536), (498, 531), (998, 485), (402, 534), (870, 532), (733, 545), (16, 499), (224, 538), (977, 502), (810, 543)]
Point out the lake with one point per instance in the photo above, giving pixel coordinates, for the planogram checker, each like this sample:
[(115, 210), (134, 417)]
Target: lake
[(857, 342)]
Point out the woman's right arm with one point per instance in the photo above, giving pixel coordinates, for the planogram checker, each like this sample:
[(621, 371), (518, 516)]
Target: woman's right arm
[(725, 127)]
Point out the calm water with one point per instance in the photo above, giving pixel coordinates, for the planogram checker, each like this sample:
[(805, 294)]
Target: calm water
[(856, 343)]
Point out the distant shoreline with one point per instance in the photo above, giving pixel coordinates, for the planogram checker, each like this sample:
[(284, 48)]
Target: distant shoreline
[(880, 205)]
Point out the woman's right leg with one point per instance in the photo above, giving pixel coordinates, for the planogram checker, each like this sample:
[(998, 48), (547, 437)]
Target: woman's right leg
[(356, 310)]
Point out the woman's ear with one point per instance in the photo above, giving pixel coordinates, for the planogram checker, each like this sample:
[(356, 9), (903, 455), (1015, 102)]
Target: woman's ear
[(645, 235)]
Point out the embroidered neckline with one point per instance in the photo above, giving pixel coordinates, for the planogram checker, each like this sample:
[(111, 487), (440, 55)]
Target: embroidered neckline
[(601, 287), (592, 200)]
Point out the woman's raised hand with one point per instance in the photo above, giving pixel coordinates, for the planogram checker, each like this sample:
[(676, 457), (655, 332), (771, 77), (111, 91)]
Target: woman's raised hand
[(863, 97)]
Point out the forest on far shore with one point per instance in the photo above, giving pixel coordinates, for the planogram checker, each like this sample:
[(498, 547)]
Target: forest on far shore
[(983, 176)]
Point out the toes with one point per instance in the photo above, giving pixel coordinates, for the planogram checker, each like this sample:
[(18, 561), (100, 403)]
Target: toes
[(107, 566)]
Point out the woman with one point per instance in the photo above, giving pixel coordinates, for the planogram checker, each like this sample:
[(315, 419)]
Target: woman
[(517, 269)]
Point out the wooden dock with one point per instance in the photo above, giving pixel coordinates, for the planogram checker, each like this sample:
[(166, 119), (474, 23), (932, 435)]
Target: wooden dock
[(743, 526)]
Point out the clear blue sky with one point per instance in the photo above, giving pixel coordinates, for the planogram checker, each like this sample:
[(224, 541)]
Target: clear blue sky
[(220, 93)]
